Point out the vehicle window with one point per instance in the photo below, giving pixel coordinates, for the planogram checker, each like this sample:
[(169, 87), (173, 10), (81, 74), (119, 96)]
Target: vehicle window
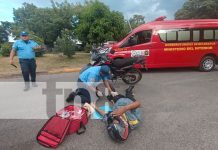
[(196, 35), (168, 35), (138, 38), (216, 34), (208, 34), (162, 34), (184, 35), (171, 36), (144, 37)]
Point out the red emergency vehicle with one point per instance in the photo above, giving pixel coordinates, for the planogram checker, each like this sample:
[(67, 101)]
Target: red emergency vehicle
[(173, 43)]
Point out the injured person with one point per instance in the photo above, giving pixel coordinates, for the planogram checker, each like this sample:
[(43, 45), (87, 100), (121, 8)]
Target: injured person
[(125, 116)]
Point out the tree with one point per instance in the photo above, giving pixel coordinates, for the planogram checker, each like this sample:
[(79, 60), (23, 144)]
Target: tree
[(198, 9), (5, 49), (5, 29), (136, 20), (65, 43), (98, 24), (91, 23), (46, 23), (3, 35)]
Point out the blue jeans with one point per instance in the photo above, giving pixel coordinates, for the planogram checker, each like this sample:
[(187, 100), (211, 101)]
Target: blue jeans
[(28, 68)]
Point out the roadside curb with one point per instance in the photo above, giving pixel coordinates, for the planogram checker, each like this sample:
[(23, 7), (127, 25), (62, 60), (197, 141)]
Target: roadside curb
[(65, 70), (57, 71)]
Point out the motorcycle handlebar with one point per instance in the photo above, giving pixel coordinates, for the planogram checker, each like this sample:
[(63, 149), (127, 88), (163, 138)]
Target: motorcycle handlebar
[(101, 57)]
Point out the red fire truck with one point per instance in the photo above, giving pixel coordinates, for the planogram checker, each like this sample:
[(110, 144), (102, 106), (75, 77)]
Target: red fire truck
[(173, 43)]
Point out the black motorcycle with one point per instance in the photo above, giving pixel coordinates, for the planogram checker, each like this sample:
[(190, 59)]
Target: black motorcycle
[(120, 68)]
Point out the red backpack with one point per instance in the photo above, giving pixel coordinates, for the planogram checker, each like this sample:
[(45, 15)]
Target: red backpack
[(68, 120)]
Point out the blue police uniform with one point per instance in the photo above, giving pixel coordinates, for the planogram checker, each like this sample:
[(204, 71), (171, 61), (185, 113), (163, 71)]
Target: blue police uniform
[(26, 56), (92, 75), (24, 49)]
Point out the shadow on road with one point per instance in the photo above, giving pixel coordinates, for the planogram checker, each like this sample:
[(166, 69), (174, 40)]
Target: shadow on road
[(174, 70)]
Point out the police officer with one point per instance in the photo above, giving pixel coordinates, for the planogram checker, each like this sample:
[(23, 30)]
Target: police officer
[(25, 49), (95, 74), (89, 80)]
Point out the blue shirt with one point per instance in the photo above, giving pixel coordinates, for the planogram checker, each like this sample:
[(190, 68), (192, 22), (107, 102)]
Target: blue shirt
[(91, 75), (25, 50)]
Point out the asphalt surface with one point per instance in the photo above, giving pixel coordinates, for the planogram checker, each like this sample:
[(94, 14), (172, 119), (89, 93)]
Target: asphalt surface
[(179, 110)]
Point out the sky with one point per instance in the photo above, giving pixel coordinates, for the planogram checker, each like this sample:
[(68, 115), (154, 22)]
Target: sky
[(151, 9)]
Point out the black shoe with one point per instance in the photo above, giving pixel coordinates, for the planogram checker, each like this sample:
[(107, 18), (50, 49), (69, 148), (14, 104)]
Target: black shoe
[(130, 94), (34, 84)]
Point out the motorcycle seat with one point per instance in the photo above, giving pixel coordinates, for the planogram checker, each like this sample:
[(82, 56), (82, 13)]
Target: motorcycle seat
[(123, 62)]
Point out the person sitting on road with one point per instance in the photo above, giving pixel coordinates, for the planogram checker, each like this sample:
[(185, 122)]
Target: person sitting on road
[(124, 117), (88, 81)]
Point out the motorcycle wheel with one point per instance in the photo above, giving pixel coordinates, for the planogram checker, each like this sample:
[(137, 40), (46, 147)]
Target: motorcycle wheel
[(132, 76)]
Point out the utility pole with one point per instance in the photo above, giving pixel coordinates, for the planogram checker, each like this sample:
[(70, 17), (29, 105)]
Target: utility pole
[(129, 24)]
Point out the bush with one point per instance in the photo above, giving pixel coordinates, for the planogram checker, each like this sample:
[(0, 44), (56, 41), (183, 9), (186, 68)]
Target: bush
[(65, 44), (88, 48), (5, 49)]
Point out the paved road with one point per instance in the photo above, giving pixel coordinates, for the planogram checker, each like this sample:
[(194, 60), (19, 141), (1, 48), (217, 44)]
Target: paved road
[(179, 108)]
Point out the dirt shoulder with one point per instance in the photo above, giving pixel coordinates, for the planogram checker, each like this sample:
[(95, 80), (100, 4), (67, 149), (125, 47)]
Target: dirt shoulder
[(49, 63)]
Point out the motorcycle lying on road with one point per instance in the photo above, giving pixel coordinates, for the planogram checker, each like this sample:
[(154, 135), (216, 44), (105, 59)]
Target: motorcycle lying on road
[(120, 68)]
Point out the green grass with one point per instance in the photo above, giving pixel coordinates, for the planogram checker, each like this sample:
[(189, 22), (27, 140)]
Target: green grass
[(46, 63)]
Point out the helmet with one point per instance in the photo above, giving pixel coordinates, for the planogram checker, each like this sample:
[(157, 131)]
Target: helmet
[(118, 128)]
